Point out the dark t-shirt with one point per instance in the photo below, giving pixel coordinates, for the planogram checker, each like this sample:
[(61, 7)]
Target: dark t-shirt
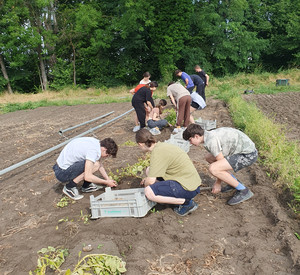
[(143, 95), (197, 79), (202, 75)]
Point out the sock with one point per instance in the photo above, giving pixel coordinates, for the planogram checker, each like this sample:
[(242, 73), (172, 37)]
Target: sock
[(71, 184), (240, 187), (86, 184), (187, 201)]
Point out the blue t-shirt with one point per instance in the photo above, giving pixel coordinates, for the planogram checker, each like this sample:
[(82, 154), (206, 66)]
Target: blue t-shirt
[(185, 76)]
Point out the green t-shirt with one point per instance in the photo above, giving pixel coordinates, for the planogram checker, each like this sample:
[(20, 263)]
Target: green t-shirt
[(172, 163)]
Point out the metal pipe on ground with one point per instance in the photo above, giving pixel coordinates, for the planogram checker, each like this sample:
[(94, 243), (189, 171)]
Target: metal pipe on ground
[(78, 125), (10, 168)]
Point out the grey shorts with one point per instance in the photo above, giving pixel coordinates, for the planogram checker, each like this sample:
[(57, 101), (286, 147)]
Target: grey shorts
[(239, 161)]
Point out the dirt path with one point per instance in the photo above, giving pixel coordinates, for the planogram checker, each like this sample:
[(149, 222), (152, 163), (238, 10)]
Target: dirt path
[(255, 237)]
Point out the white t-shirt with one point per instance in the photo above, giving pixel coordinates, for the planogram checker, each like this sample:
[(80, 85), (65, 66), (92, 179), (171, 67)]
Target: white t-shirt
[(144, 81), (198, 99), (79, 149)]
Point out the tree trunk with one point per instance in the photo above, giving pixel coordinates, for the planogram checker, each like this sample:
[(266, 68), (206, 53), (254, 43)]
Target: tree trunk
[(3, 69), (43, 70), (74, 63)]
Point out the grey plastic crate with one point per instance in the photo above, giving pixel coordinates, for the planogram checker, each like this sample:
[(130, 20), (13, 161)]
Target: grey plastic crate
[(179, 141), (120, 203), (206, 124)]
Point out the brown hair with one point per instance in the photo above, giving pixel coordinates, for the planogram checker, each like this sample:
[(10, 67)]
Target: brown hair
[(152, 84), (192, 130), (110, 145), (144, 136), (146, 74), (160, 104), (177, 72)]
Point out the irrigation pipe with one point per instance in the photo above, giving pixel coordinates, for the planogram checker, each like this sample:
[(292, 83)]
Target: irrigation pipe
[(78, 125), (10, 168)]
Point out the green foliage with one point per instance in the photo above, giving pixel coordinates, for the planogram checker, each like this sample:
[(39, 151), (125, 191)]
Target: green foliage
[(61, 74), (64, 201), (135, 170), (129, 143), (51, 258), (171, 116), (85, 218), (110, 43), (279, 156), (99, 264)]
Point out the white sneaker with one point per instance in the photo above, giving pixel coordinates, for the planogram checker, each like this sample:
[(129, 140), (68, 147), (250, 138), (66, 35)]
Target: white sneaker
[(136, 128), (72, 193), (91, 188), (155, 131)]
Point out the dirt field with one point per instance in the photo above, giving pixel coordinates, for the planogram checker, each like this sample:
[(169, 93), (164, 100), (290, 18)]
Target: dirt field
[(255, 237), (283, 109)]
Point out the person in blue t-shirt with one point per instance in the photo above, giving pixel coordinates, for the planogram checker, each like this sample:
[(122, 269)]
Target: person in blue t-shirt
[(188, 82)]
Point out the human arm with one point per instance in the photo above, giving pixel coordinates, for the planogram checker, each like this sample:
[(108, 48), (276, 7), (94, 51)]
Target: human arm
[(148, 181), (90, 177), (173, 100), (207, 79), (186, 81)]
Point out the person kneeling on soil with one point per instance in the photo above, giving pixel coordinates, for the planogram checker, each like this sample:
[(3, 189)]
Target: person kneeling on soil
[(229, 149), (155, 123), (171, 177), (79, 160)]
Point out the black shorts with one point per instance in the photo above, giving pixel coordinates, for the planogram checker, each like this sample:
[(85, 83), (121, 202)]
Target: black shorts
[(239, 161)]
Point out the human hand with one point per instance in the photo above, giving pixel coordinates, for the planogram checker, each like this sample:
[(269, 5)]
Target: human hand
[(111, 183), (142, 182), (216, 188)]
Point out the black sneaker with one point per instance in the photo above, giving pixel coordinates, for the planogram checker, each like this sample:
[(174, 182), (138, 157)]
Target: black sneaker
[(72, 193), (183, 210), (91, 188), (240, 196), (227, 188)]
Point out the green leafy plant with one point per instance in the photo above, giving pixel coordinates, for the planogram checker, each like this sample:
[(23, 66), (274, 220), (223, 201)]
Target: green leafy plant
[(129, 143), (51, 258), (64, 201), (99, 264), (153, 210), (85, 218), (297, 235), (135, 170), (171, 116)]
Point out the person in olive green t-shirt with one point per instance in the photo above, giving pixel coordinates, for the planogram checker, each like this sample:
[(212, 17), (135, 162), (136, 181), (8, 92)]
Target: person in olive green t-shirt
[(171, 178)]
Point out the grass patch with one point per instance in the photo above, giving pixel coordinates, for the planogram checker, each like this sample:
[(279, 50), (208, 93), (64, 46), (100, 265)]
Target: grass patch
[(280, 156)]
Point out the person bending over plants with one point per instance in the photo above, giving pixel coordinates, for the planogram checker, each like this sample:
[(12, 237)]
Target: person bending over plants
[(79, 160), (171, 177), (229, 149)]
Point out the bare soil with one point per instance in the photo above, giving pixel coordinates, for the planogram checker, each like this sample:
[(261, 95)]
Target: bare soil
[(255, 237)]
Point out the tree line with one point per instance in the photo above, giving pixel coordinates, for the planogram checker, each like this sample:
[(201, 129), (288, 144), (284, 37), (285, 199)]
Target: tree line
[(50, 44)]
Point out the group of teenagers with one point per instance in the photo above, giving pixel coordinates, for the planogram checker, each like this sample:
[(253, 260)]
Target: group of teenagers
[(171, 178), (182, 97)]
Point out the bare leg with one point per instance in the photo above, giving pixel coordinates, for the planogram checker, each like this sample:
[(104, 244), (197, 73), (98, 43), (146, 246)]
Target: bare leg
[(192, 109)]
